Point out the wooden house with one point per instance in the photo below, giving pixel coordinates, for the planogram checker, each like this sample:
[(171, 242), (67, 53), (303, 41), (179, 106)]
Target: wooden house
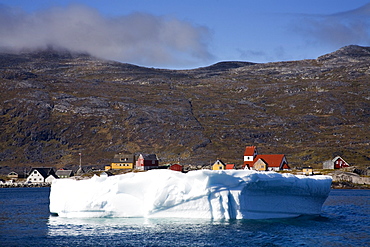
[(339, 162), (260, 165), (49, 179), (13, 175), (61, 173), (230, 166), (147, 161), (218, 165), (308, 171), (274, 162), (176, 167), (41, 175), (336, 163), (121, 161)]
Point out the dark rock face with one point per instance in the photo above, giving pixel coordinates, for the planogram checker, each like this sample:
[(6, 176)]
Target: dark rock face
[(55, 105)]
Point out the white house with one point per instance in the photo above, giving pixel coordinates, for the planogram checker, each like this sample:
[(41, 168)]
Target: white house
[(41, 175), (50, 179)]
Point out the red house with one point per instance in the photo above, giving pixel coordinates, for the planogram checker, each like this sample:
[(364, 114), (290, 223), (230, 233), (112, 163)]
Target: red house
[(339, 163), (229, 167), (147, 161), (274, 162), (176, 167)]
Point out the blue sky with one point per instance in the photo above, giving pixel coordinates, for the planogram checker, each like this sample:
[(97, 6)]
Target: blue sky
[(186, 34)]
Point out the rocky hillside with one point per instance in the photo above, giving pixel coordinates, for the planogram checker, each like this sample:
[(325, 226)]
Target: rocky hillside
[(55, 105)]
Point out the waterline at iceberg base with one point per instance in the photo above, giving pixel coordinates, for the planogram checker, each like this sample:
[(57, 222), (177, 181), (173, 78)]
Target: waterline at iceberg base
[(230, 194)]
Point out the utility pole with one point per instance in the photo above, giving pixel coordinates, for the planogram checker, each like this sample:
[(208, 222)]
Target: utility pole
[(80, 159)]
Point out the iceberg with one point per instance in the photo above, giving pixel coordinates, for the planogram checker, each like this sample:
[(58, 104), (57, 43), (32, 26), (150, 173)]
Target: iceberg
[(225, 194)]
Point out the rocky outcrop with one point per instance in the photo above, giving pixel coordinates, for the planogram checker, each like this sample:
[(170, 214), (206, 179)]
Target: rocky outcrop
[(350, 177)]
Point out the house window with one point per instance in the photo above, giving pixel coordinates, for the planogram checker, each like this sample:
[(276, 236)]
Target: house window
[(34, 179), (34, 172)]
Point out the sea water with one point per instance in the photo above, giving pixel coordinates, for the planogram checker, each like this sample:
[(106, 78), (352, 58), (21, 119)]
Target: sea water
[(25, 221)]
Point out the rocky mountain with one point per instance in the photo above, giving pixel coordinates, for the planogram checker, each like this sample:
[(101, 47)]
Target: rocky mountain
[(55, 105)]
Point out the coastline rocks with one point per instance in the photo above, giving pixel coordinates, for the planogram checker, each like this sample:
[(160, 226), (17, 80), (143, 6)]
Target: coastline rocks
[(349, 177), (23, 185)]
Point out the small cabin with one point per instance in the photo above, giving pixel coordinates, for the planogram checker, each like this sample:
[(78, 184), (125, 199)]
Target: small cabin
[(13, 175), (218, 165), (308, 171), (260, 165), (61, 173), (176, 167), (49, 179), (339, 163), (147, 162), (336, 163), (230, 167)]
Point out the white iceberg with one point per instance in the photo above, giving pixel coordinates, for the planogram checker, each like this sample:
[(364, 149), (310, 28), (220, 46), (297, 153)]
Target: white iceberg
[(230, 194)]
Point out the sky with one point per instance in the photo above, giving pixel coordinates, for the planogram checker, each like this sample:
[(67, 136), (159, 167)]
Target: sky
[(187, 34)]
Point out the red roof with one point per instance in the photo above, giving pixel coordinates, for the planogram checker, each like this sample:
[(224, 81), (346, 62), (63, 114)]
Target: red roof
[(230, 166), (273, 160), (249, 151), (176, 167), (286, 166)]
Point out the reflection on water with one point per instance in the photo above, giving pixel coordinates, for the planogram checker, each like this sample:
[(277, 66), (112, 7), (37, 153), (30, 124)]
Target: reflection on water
[(165, 232), (139, 231), (59, 226), (189, 232)]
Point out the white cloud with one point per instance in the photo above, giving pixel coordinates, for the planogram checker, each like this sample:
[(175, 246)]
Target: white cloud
[(138, 38), (336, 30)]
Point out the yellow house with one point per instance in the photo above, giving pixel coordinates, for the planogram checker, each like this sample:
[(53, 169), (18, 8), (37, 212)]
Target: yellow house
[(218, 165), (260, 165), (308, 171), (122, 161)]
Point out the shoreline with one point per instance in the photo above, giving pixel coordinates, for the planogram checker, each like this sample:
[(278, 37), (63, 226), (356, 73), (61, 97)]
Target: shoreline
[(334, 185), (21, 185), (348, 185)]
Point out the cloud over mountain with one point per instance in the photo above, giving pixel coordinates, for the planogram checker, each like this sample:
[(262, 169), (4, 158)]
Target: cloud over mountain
[(336, 30), (138, 38)]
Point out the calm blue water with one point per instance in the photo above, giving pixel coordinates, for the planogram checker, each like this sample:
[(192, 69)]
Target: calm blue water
[(25, 221)]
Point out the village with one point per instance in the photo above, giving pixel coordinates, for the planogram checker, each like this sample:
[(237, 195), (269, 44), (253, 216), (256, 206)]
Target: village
[(127, 162)]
